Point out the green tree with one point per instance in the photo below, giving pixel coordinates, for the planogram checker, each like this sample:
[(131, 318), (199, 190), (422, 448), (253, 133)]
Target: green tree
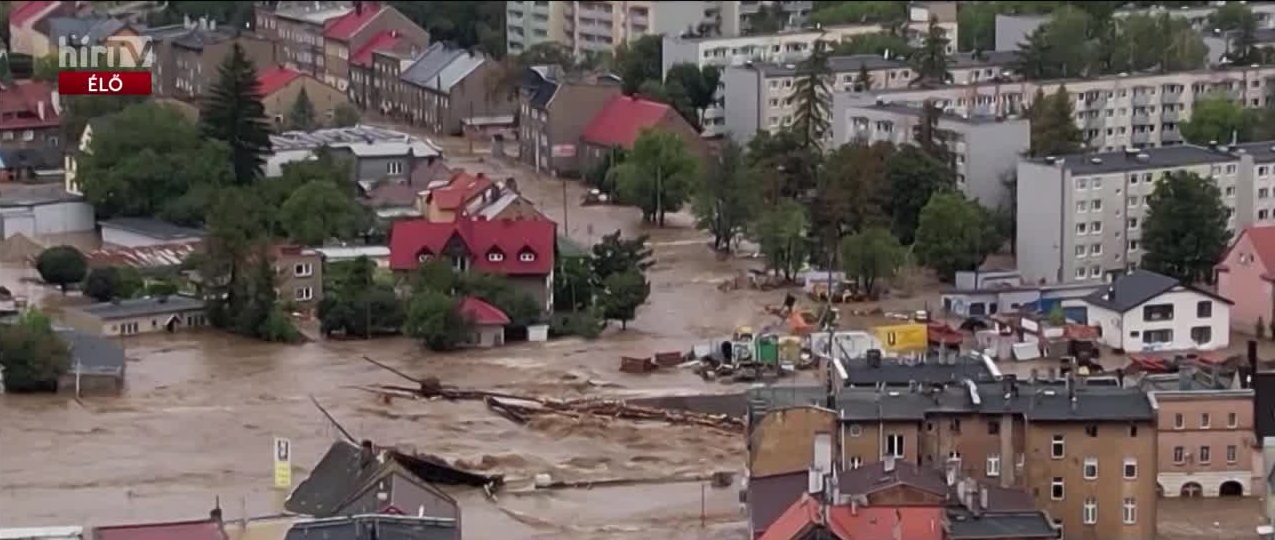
[(930, 62), (61, 266), (614, 254), (435, 319), (812, 97), (573, 284), (622, 293), (674, 94), (1053, 125), (161, 288), (100, 283), (478, 25), (32, 355), (639, 61), (1155, 42), (1238, 24), (853, 193), (46, 68), (785, 165), (913, 179), (345, 115), (237, 276), (952, 235), (931, 138), (976, 21), (317, 212), (1184, 233), (863, 81), (78, 110), (658, 176), (728, 198), (233, 113), (871, 255), (780, 233), (699, 84), (1215, 119), (521, 308), (875, 44), (769, 19), (301, 116), (372, 311)]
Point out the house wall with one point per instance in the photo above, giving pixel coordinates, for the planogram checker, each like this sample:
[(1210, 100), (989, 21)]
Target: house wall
[(473, 96), (299, 272), (44, 219), (784, 440), (487, 336), (1241, 282), (376, 168), (865, 441), (572, 108), (324, 98), (1219, 436), (539, 287), (88, 322), (518, 210), (1118, 329), (337, 60)]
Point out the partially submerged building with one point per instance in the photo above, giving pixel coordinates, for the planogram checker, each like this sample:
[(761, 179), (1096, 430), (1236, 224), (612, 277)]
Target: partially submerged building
[(137, 316)]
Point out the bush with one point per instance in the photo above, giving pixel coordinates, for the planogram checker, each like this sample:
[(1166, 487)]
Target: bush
[(584, 324), (62, 266)]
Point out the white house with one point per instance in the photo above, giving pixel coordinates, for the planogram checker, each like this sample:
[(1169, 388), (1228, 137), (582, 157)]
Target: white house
[(1145, 311)]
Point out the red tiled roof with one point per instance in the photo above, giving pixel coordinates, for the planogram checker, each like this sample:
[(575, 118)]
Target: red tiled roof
[(412, 240), (481, 313), (622, 119), (185, 530), (27, 12), (382, 41), (20, 106), (274, 79), (862, 523), (345, 26), (462, 188)]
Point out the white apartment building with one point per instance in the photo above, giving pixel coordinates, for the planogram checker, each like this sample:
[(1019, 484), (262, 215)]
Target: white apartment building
[(599, 26), (1012, 30), (1080, 217), (1115, 112)]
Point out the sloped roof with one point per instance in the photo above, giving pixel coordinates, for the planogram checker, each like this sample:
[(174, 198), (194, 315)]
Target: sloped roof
[(28, 12), (433, 60), (481, 313), (1131, 290), (382, 41), (275, 79), (186, 530), (913, 522), (344, 27), (93, 354), (20, 106), (622, 119), (92, 30), (1262, 237), (375, 526), (412, 240), (460, 190), (455, 71)]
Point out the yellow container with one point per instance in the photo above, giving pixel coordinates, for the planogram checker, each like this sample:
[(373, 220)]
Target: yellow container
[(789, 349)]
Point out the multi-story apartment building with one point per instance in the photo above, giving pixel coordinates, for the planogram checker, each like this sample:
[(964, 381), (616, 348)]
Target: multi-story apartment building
[(187, 55), (735, 17), (553, 112), (298, 29), (1012, 30), (367, 23), (446, 87), (1114, 112), (599, 26), (1086, 454), (984, 150), (376, 70)]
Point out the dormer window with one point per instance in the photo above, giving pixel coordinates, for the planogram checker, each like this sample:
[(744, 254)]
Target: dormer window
[(527, 257), (495, 256), (424, 257)]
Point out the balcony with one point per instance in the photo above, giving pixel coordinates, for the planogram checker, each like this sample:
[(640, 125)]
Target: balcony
[(1093, 122), (1141, 99), (1097, 102), (1140, 119), (1140, 138), (1171, 96), (1170, 137), (1170, 116)]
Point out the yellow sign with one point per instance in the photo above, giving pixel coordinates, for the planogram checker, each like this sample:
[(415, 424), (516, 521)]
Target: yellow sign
[(902, 337), (282, 463)]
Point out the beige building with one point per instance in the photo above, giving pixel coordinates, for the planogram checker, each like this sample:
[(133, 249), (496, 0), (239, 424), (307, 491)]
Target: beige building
[(594, 27), (298, 29), (299, 276), (137, 316), (281, 86), (187, 56), (368, 24), (1206, 440)]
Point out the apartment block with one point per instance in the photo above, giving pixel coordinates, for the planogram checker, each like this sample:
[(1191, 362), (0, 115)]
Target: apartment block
[(985, 150), (1087, 455), (445, 88), (593, 27), (736, 16), (367, 23), (298, 29), (187, 55), (1011, 30), (1114, 112)]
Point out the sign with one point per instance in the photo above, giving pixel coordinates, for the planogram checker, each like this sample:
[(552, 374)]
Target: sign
[(282, 463), (119, 66), (105, 83), (902, 337), (563, 150)]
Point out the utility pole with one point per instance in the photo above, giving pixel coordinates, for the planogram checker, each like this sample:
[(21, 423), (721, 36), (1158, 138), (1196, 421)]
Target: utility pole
[(659, 194), (566, 210)]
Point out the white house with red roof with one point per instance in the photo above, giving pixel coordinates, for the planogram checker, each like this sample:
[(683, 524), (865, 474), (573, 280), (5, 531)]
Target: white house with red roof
[(281, 86), (619, 123), (348, 34), (487, 322), (522, 250)]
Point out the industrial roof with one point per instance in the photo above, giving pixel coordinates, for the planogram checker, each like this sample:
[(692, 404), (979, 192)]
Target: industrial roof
[(154, 228), (362, 141), (897, 372), (441, 67), (141, 307), (93, 354), (1163, 157)]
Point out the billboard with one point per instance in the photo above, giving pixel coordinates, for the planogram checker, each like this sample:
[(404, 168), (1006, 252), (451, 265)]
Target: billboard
[(902, 337), (282, 463)]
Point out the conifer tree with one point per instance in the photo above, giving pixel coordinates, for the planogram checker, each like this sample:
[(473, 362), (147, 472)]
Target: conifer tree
[(813, 118), (233, 113), (301, 116)]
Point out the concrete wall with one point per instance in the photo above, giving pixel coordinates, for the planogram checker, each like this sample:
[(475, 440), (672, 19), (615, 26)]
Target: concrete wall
[(1040, 244), (54, 218), (324, 98), (1012, 30), (1118, 329), (741, 90)]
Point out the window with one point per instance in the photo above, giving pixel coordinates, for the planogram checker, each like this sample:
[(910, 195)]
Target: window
[(1130, 511), (1095, 205), (855, 430), (1205, 420), (495, 256), (893, 446), (1202, 334), (1179, 421), (994, 465), (302, 294), (1096, 226), (1082, 206), (993, 427), (1081, 183), (1082, 228), (1130, 468), (1090, 511), (1232, 453), (1095, 249), (1232, 420), (1091, 430), (1204, 309), (1157, 336), (1158, 312), (394, 167), (1205, 454), (1080, 273), (1056, 491), (303, 270), (1179, 454), (527, 256), (1133, 223), (856, 462), (1091, 468), (28, 135), (1058, 448)]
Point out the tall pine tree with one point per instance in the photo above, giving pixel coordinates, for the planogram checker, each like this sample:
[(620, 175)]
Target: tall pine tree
[(301, 116), (813, 118), (233, 113), (863, 82), (1053, 125), (930, 63)]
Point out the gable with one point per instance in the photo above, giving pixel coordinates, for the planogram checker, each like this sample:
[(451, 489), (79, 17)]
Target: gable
[(784, 440), (900, 494), (1246, 251)]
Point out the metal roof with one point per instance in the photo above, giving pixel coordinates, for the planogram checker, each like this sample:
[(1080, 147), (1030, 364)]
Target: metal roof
[(432, 61), (1131, 290), (42, 533), (361, 140), (455, 72), (838, 64), (1163, 157), (93, 354), (154, 228), (141, 307)]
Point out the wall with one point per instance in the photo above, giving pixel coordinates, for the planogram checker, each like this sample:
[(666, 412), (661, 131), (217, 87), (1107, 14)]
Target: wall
[(324, 98), (993, 150), (376, 168), (289, 281), (539, 287), (1242, 282), (868, 444), (784, 440), (741, 92), (1039, 218), (472, 97), (53, 218), (1012, 30), (572, 108), (1184, 318), (1217, 436), (152, 323)]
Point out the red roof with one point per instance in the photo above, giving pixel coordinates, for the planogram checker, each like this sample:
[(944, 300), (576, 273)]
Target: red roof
[(28, 12), (495, 246), (20, 106), (461, 189), (481, 313), (863, 523), (380, 42), (622, 119), (274, 79), (1262, 237), (185, 530), (345, 26)]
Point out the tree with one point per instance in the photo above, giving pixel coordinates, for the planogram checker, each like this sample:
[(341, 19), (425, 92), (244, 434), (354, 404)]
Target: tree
[(785, 164), (659, 175), (1238, 24), (769, 19), (317, 212), (233, 113), (102, 284), (883, 44), (477, 25), (863, 81), (1155, 43), (520, 307), (301, 116), (1184, 233), (1215, 119), (345, 115), (61, 266), (976, 21), (835, 13), (728, 198), (573, 284), (45, 69), (913, 179), (698, 84), (871, 255), (780, 232), (32, 355), (78, 110), (435, 319), (161, 288), (622, 294), (614, 254), (951, 236), (931, 138), (853, 193), (930, 62), (368, 312), (639, 61), (812, 119), (1053, 125)]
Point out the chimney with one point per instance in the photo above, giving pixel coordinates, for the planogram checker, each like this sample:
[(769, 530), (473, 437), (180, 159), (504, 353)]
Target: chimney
[(367, 454), (982, 498), (39, 109), (358, 8), (950, 472), (1252, 364), (215, 515), (821, 462)]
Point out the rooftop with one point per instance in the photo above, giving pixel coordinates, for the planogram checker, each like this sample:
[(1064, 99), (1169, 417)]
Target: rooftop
[(82, 30), (526, 247), (93, 354), (141, 307), (1262, 151), (441, 67), (185, 530), (147, 257), (622, 119), (315, 12), (345, 26), (929, 369), (838, 64), (17, 195), (1163, 157), (361, 140), (373, 527), (1135, 288), (275, 78), (965, 60), (154, 228), (29, 105), (481, 313), (916, 111)]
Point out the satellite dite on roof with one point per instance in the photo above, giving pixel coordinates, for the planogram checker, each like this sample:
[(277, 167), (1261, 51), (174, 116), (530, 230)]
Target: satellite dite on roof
[(43, 533)]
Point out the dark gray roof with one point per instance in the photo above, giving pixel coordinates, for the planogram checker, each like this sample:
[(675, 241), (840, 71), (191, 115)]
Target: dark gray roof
[(894, 372), (838, 64), (874, 477), (93, 354), (770, 497), (375, 527), (1163, 157), (1131, 290), (197, 38), (1262, 151), (81, 30), (141, 307), (154, 228), (916, 110), (963, 60), (964, 525), (426, 70), (733, 405)]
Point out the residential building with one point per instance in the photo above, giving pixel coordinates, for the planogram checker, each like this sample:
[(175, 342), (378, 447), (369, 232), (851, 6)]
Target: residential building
[(378, 153), (735, 18), (297, 27), (299, 276), (1089, 226), (522, 251), (487, 322), (25, 29), (53, 32), (145, 232), (187, 55), (374, 527), (1012, 30), (929, 368), (1243, 277), (983, 150), (350, 33), (97, 364), (1114, 112), (622, 119), (41, 211), (137, 316), (553, 112), (1085, 454), (504, 202), (443, 204), (380, 255), (280, 87), (1145, 311), (595, 27), (376, 70), (446, 87), (981, 66), (31, 119), (393, 197)]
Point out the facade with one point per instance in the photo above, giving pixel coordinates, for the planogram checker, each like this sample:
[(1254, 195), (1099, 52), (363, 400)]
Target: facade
[(596, 27), (983, 293), (553, 113), (98, 365), (137, 316), (299, 274), (619, 123), (348, 34), (34, 213), (187, 55), (144, 232), (280, 88), (297, 28), (25, 35), (52, 32), (1243, 278), (445, 88), (1145, 311), (1011, 30), (378, 153), (375, 72), (375, 527), (985, 150), (1206, 443), (32, 119)]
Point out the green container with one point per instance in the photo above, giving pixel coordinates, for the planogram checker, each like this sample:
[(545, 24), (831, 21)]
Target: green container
[(768, 350)]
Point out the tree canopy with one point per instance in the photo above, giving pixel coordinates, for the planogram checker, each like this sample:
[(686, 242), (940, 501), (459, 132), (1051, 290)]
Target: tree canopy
[(32, 355), (812, 98), (62, 266), (233, 113), (952, 234), (728, 197), (659, 175), (1185, 231), (1053, 126)]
